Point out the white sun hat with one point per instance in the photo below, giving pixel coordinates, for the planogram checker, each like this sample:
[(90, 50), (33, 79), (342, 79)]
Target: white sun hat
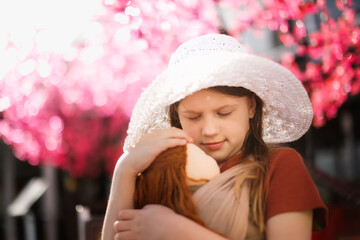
[(220, 60)]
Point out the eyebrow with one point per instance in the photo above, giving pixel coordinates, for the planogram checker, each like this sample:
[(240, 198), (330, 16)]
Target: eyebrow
[(217, 109)]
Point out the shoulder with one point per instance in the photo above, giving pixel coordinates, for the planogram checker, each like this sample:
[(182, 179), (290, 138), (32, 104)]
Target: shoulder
[(284, 157), (289, 186), (285, 166), (286, 173), (280, 153)]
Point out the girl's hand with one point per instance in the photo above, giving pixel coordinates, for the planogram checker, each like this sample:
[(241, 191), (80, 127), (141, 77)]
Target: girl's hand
[(159, 223), (147, 223), (150, 146)]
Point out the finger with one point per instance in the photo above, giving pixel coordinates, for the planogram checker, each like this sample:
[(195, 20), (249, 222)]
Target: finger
[(157, 207), (179, 133), (173, 142), (150, 206), (124, 236), (172, 132), (162, 140), (122, 226), (126, 214)]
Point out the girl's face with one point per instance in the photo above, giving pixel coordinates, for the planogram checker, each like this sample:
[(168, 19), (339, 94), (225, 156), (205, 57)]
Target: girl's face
[(217, 122)]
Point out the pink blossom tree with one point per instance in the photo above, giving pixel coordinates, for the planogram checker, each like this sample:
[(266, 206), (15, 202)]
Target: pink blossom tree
[(69, 104)]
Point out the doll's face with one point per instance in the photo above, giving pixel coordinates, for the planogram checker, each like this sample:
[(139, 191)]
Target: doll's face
[(200, 167), (217, 122)]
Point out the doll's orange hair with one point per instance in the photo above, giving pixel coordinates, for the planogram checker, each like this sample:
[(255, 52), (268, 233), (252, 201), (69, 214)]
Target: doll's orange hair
[(164, 182)]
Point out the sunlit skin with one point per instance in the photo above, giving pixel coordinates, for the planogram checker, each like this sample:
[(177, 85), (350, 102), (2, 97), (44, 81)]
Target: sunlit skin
[(217, 122)]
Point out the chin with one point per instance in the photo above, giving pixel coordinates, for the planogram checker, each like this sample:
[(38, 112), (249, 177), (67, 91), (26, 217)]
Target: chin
[(220, 159)]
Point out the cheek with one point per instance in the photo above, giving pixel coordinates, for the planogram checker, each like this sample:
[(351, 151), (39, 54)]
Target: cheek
[(187, 125), (239, 125), (192, 129)]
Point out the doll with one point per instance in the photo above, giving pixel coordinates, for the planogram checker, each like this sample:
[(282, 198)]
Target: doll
[(173, 177), (187, 180)]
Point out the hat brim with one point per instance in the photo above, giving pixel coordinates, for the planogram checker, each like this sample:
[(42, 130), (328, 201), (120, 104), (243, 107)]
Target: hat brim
[(287, 107)]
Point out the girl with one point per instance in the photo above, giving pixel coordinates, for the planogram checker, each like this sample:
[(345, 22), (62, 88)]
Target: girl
[(232, 105)]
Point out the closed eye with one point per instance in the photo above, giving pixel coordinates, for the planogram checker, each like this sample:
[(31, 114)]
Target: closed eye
[(193, 118), (223, 114)]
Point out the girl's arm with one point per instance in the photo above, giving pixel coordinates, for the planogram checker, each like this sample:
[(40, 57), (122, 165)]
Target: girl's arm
[(121, 197), (290, 225), (160, 223), (129, 165)]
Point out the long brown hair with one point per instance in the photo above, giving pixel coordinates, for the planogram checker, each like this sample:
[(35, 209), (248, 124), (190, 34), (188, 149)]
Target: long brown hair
[(254, 149)]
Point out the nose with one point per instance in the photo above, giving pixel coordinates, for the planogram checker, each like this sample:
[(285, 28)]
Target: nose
[(209, 127)]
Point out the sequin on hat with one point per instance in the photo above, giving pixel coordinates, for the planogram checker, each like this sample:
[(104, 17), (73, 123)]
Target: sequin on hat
[(220, 60)]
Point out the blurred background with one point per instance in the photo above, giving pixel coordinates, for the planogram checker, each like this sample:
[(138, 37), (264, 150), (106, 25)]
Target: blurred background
[(72, 70)]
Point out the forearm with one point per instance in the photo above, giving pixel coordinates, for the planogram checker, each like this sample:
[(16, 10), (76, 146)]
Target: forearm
[(121, 197), (183, 228)]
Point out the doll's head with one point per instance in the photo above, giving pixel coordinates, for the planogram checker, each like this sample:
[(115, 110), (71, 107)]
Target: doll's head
[(169, 179)]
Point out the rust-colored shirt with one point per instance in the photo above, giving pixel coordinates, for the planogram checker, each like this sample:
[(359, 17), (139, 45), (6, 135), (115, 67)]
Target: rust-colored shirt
[(288, 186)]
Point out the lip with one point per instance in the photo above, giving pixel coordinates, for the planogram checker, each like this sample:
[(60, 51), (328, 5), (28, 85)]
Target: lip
[(213, 145)]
